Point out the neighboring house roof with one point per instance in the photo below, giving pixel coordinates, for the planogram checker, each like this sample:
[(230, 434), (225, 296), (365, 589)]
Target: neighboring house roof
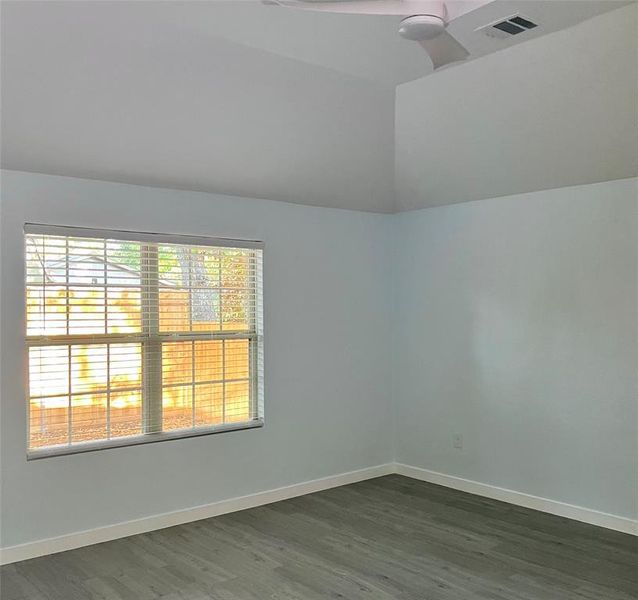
[(91, 269)]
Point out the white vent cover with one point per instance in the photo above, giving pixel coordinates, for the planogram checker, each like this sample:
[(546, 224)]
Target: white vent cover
[(506, 28)]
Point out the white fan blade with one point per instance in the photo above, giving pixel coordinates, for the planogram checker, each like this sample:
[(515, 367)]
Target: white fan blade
[(369, 7), (444, 49)]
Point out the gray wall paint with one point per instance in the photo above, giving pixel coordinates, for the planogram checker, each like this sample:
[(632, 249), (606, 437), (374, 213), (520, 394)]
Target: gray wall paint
[(516, 325), (327, 372)]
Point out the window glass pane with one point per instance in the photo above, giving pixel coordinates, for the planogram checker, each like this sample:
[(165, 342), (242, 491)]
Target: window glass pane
[(124, 313), (48, 371), (123, 264), (208, 360), (205, 309), (124, 282), (235, 268), (87, 310), (177, 362), (46, 310), (82, 286), (177, 407), (126, 413), (48, 421), (209, 404), (34, 257), (174, 310), (125, 365), (85, 263), (89, 417), (236, 309), (96, 366), (204, 275), (173, 262), (237, 359), (35, 311), (89, 368), (205, 289), (237, 402), (176, 279), (177, 401)]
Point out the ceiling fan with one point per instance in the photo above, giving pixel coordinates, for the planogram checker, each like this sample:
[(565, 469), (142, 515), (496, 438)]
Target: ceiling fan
[(425, 22)]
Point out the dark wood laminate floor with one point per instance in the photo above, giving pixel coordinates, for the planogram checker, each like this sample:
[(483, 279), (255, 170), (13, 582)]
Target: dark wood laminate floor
[(391, 537)]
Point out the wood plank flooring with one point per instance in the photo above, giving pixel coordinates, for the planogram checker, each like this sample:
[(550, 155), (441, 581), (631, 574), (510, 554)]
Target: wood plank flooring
[(382, 539)]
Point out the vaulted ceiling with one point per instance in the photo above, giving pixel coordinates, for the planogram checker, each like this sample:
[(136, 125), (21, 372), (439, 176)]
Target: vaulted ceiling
[(262, 101)]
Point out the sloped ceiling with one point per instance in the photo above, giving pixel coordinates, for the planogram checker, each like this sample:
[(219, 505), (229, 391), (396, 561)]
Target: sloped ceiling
[(558, 111), (244, 99), (104, 90)]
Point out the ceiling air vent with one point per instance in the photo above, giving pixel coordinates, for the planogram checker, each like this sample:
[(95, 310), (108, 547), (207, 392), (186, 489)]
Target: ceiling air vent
[(508, 27)]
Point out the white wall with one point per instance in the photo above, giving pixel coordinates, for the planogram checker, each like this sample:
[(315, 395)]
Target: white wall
[(516, 325), (327, 371)]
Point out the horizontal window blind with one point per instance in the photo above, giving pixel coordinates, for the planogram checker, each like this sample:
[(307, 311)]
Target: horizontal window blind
[(132, 340)]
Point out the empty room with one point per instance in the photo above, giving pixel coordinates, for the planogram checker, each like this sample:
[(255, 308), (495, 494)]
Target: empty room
[(317, 299)]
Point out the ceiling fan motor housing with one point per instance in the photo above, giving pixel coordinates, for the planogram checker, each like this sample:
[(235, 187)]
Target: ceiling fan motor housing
[(421, 27)]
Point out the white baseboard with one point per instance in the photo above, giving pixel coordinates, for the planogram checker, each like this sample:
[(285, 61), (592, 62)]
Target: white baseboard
[(79, 539), (561, 509)]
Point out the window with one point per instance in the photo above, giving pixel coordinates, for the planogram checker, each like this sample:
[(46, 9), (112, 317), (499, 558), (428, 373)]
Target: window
[(134, 338)]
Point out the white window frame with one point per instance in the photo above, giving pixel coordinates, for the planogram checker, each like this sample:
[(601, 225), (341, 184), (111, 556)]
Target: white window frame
[(151, 340)]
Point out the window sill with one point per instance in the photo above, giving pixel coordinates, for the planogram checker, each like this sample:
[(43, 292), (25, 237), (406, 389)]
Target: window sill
[(147, 438)]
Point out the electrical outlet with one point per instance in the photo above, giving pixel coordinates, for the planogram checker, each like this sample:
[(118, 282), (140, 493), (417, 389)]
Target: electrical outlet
[(457, 441)]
